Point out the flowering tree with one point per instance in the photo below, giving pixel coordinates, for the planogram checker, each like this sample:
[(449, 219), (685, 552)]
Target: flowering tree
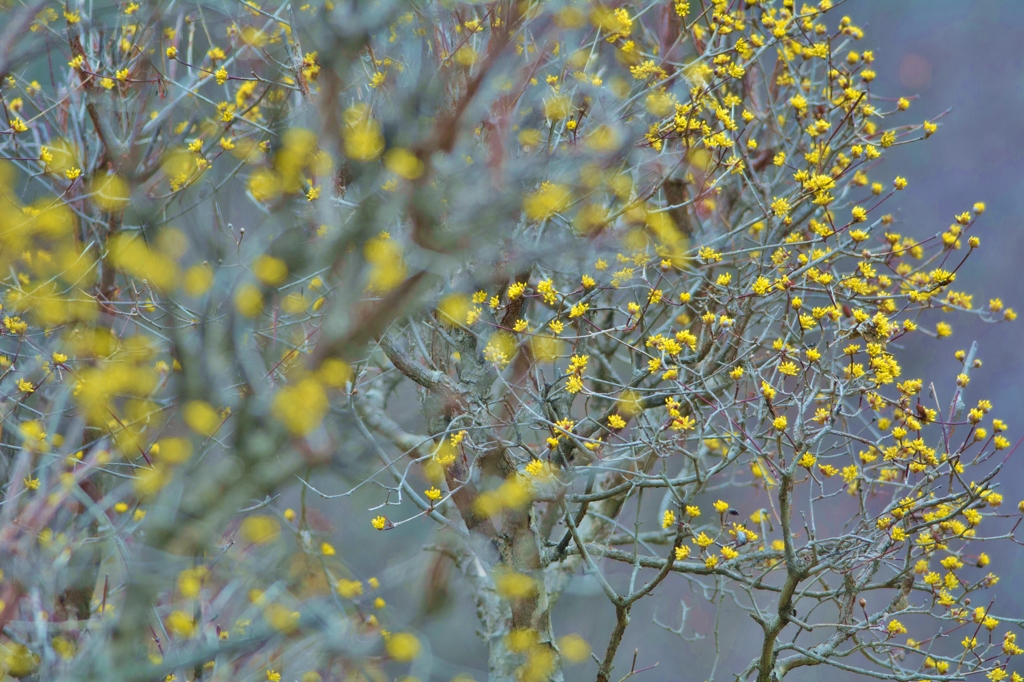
[(564, 290)]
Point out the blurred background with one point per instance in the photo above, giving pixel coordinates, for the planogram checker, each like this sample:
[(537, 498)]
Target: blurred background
[(944, 55)]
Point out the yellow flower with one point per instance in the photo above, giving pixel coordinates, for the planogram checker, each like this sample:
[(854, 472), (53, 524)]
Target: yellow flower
[(363, 140), (403, 163), (349, 589), (301, 406), (181, 624), (895, 628), (259, 529), (403, 646), (574, 648), (781, 207), (546, 201)]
